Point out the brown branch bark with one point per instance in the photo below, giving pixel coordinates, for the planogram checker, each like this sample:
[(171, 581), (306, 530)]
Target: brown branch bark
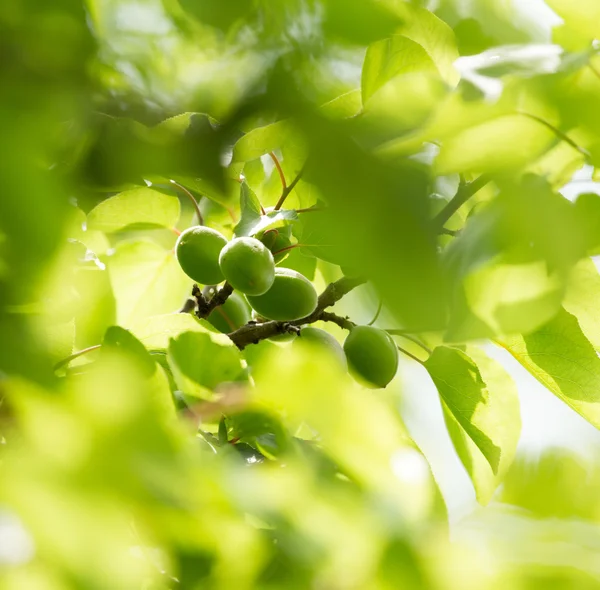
[(204, 307), (253, 333)]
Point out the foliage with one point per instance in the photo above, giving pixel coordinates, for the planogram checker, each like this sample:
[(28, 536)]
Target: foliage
[(408, 155)]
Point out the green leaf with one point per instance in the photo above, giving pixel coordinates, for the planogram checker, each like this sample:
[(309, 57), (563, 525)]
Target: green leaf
[(119, 339), (361, 23), (491, 146), (346, 105), (587, 209), (201, 361), (434, 35), (481, 409), (146, 279), (261, 140), (306, 265), (391, 57), (560, 357), (156, 331), (581, 22), (140, 207), (252, 220), (582, 299)]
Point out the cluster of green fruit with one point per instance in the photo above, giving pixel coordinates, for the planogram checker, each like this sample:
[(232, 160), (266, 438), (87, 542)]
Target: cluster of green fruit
[(276, 293)]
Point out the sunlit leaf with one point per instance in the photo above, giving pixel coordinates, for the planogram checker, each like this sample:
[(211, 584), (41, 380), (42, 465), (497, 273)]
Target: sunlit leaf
[(201, 361), (261, 141), (560, 357), (391, 57), (156, 331), (146, 279), (582, 299), (141, 207), (481, 410)]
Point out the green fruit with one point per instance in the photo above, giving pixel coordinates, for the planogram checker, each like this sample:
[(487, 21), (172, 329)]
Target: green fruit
[(320, 340), (276, 241), (372, 356), (198, 250), (248, 266), (291, 297), (230, 316)]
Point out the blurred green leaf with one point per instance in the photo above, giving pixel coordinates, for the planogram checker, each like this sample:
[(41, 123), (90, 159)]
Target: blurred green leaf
[(580, 22), (390, 57), (156, 331), (360, 23), (261, 140), (201, 361), (146, 279), (491, 146), (582, 297), (117, 338), (587, 209), (140, 207)]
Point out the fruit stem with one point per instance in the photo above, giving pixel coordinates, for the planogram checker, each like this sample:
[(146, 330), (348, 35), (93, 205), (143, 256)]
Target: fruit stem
[(379, 308), (288, 248), (412, 356), (73, 356), (191, 197), (279, 169), (414, 339), (287, 190)]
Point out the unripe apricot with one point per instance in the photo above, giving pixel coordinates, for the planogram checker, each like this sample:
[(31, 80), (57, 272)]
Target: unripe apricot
[(318, 339), (230, 316), (248, 265), (276, 242), (291, 297), (372, 356), (198, 250)]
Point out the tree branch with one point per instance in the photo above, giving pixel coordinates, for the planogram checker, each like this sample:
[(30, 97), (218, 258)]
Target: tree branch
[(204, 307), (252, 333), (464, 193)]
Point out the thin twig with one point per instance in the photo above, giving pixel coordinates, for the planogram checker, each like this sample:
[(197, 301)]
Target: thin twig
[(464, 193), (279, 169), (191, 197), (343, 322), (412, 356), (288, 190)]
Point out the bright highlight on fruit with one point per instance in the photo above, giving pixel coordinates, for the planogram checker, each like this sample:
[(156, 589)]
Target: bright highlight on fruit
[(198, 250), (247, 265), (372, 356), (291, 297)]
